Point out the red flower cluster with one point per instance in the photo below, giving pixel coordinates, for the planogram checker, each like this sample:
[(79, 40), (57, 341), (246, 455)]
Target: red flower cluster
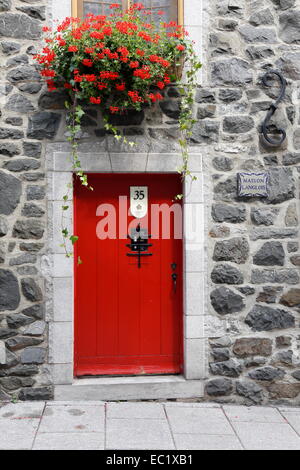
[(120, 86), (159, 60), (125, 57), (95, 100), (134, 95), (155, 97), (143, 73), (87, 62), (114, 109), (109, 75)]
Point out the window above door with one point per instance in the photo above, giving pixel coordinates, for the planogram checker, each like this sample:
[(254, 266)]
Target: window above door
[(173, 9)]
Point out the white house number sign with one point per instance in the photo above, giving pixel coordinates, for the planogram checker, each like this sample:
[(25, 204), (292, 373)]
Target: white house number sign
[(138, 201)]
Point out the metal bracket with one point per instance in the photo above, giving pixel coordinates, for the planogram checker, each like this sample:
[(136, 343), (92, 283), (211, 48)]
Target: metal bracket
[(273, 107)]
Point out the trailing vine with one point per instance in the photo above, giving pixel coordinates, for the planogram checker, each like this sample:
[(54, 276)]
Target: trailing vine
[(186, 118), (74, 127)]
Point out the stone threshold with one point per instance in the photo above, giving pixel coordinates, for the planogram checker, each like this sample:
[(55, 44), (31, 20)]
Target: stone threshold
[(129, 388)]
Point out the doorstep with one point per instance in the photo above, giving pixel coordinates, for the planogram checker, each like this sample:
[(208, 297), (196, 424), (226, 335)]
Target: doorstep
[(130, 388)]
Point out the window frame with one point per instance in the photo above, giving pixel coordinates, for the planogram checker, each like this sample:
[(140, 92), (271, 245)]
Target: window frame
[(77, 8)]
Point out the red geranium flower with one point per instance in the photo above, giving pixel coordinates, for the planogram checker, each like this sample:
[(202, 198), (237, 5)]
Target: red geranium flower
[(140, 52), (107, 31), (101, 86), (114, 109), (142, 73), (48, 73), (97, 35), (160, 85), (134, 95), (95, 100), (120, 86), (87, 62), (51, 85)]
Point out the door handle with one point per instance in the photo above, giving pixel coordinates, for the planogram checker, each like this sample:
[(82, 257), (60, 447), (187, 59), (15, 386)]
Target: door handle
[(174, 278)]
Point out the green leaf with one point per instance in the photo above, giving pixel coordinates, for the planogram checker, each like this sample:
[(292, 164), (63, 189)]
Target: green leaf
[(74, 238)]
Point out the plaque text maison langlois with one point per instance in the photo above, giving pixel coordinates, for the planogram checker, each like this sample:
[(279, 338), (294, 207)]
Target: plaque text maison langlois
[(252, 184)]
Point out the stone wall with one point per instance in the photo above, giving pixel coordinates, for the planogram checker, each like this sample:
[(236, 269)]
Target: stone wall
[(23, 330), (253, 252)]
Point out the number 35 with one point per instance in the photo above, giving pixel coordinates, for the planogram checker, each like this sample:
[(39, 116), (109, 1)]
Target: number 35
[(139, 195)]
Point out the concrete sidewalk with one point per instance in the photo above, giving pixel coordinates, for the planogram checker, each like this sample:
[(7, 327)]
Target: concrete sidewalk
[(141, 425)]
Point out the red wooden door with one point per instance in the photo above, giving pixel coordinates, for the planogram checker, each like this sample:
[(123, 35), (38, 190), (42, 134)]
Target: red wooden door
[(128, 319)]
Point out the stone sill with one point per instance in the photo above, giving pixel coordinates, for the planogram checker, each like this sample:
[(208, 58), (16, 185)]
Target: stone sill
[(129, 388)]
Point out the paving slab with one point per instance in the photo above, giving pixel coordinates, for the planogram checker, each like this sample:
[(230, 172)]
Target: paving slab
[(16, 441), (192, 405), (267, 436), (253, 414), (22, 409), (206, 442), (293, 418), (136, 410), (77, 403), (292, 409), (68, 418), (138, 434), (198, 420), (69, 441), (18, 424)]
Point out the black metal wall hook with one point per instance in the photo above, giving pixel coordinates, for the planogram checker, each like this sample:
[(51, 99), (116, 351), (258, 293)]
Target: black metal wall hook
[(265, 79)]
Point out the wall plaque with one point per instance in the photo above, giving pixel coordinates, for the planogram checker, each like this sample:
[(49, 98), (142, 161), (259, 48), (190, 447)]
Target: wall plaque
[(252, 184), (138, 201)]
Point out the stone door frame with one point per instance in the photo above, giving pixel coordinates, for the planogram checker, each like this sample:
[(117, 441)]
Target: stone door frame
[(60, 312)]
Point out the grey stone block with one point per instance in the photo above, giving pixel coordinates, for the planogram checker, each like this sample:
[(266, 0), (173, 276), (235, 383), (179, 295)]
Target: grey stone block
[(33, 355), (19, 26), (236, 250), (263, 318), (9, 290), (219, 387), (10, 192), (270, 254), (226, 274), (226, 301)]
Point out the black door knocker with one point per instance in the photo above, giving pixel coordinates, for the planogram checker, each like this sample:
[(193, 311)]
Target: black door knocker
[(273, 107), (139, 243)]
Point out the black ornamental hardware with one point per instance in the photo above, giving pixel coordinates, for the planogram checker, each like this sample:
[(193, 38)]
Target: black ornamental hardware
[(266, 81), (139, 243), (174, 277)]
